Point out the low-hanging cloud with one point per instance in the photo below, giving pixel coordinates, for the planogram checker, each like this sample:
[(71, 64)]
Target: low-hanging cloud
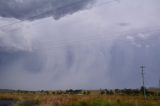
[(102, 47), (35, 9)]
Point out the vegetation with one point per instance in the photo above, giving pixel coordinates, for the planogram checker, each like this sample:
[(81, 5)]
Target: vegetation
[(117, 97)]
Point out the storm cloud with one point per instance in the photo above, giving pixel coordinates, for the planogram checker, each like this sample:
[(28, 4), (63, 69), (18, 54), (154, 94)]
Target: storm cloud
[(34, 9), (100, 47)]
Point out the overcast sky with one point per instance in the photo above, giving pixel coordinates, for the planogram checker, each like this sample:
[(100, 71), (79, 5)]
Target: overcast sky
[(79, 44)]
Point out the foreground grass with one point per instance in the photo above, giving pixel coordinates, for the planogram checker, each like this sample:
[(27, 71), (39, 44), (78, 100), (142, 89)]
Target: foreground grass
[(39, 99), (98, 100)]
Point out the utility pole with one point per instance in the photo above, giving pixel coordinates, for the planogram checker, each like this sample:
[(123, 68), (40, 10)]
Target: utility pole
[(159, 84), (159, 89), (144, 91)]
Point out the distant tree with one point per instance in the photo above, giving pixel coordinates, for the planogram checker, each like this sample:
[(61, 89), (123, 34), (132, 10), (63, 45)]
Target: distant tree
[(102, 92), (59, 92), (111, 92), (42, 91), (142, 89), (88, 92), (47, 92), (53, 92), (84, 92), (117, 91)]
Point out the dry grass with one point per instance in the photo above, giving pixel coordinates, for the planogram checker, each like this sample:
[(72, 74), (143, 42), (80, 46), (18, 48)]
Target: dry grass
[(83, 100), (73, 100)]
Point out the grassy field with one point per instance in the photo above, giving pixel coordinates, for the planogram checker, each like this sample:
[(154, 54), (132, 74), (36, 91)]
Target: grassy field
[(94, 98)]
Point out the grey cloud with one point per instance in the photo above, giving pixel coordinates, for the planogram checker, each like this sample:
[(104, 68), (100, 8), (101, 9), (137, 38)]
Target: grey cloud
[(84, 55), (127, 57), (30, 61), (70, 56), (123, 24), (35, 9), (92, 66)]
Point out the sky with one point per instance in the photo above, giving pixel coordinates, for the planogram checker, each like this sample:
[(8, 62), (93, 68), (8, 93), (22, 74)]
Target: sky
[(79, 44)]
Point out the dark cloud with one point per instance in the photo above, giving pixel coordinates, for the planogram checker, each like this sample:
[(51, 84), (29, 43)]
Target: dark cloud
[(35, 9), (87, 51), (30, 61), (7, 58)]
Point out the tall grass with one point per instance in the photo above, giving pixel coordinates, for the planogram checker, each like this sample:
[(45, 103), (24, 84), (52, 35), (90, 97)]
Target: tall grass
[(81, 100)]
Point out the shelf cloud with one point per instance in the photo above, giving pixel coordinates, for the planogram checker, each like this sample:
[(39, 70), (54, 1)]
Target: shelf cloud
[(36, 9)]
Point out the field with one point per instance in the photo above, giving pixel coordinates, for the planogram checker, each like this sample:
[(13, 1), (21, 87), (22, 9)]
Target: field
[(78, 98)]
